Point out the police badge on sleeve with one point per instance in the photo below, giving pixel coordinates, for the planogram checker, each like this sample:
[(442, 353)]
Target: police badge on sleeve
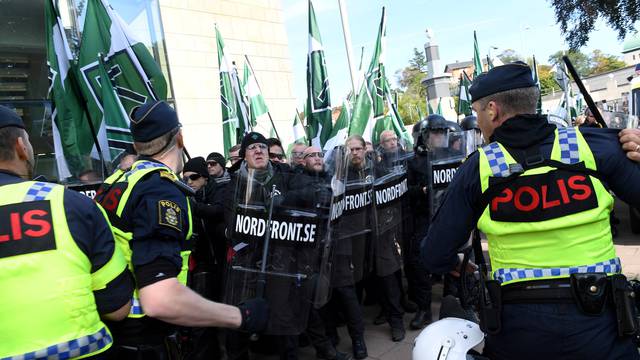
[(170, 214)]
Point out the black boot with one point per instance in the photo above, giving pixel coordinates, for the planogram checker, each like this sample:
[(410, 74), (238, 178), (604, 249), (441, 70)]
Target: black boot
[(408, 305), (331, 353), (397, 333), (422, 319), (381, 318), (359, 349)]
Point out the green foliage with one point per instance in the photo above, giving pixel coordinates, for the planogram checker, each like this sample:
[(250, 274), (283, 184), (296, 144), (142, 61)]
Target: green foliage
[(509, 56), (592, 64), (601, 62), (577, 18), (411, 93)]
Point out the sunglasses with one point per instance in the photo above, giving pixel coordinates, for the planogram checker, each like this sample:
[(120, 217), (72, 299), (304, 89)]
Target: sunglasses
[(192, 177), (211, 163), (315, 154), (276, 156)]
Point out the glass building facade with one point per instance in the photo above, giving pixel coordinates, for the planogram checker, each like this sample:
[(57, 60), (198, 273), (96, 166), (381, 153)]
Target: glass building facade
[(24, 82)]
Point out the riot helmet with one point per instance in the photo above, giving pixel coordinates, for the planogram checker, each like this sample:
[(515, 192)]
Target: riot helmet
[(455, 135), (447, 339), (417, 130), (436, 135), (471, 123)]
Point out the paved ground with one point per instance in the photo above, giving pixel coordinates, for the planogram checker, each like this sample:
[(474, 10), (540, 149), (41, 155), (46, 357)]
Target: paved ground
[(378, 338)]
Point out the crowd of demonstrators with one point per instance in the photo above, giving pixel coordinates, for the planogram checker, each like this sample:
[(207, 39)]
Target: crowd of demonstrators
[(167, 271)]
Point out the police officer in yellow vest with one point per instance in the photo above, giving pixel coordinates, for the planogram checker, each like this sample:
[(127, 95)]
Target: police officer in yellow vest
[(60, 270), (540, 195), (151, 219)]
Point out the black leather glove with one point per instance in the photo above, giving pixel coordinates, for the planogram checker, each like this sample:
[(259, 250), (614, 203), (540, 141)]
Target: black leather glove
[(255, 315)]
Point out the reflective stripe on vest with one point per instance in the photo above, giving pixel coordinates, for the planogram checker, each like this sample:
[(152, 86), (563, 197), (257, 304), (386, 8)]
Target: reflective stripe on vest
[(505, 275), (537, 249), (69, 349), (136, 308), (38, 191)]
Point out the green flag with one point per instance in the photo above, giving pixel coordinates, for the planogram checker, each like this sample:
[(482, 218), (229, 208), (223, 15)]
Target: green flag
[(299, 135), (258, 111), (396, 122), (464, 99), (429, 108), (135, 75), (536, 79), (369, 105), (439, 109), (340, 130), (318, 109), (245, 124), (72, 138), (419, 111), (228, 101), (477, 63), (118, 120)]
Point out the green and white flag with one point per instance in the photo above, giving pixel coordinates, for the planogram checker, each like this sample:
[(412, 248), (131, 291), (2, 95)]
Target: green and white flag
[(439, 109), (299, 134), (397, 123), (477, 63), (429, 108), (72, 138), (340, 130), (258, 111), (536, 79), (369, 105), (318, 109), (245, 125), (419, 111), (464, 99), (228, 101), (118, 120), (135, 75)]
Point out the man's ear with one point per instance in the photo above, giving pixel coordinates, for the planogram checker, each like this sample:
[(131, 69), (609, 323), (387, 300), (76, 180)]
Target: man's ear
[(21, 149), (180, 140)]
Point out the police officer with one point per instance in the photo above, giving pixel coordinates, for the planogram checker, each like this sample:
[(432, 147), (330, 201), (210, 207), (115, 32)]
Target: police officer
[(60, 270), (537, 193), (471, 123), (149, 211)]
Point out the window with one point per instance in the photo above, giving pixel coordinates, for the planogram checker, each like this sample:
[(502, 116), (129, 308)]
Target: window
[(24, 80)]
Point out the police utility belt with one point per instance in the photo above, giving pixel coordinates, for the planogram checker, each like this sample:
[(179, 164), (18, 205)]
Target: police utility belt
[(592, 293)]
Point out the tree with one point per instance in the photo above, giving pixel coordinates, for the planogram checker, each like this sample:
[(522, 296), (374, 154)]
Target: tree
[(601, 62), (577, 18), (509, 56), (412, 93), (579, 60), (548, 82)]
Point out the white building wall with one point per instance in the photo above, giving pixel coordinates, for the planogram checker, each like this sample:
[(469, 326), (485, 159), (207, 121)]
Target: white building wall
[(251, 27)]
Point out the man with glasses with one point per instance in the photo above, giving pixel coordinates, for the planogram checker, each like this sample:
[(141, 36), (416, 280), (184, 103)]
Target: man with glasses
[(276, 152), (297, 155)]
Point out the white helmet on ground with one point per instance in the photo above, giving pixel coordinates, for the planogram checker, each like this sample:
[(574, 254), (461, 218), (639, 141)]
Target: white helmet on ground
[(447, 339)]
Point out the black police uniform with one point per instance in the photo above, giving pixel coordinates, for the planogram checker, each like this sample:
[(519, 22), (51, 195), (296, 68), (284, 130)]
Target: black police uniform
[(562, 329), (156, 243)]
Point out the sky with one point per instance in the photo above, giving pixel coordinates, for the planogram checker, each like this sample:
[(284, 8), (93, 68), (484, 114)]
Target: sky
[(528, 27)]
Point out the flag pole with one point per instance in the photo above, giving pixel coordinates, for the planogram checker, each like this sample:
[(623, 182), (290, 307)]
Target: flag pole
[(246, 58), (346, 32)]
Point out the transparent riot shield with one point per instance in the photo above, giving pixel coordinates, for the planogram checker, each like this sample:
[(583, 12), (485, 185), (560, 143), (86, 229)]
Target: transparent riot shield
[(278, 232), (352, 230), (444, 162), (390, 187)]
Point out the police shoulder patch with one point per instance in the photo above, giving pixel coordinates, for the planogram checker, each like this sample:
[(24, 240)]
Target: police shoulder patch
[(169, 214)]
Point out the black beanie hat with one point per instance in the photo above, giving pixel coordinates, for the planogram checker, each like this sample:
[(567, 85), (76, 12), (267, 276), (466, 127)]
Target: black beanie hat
[(251, 138), (196, 165)]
